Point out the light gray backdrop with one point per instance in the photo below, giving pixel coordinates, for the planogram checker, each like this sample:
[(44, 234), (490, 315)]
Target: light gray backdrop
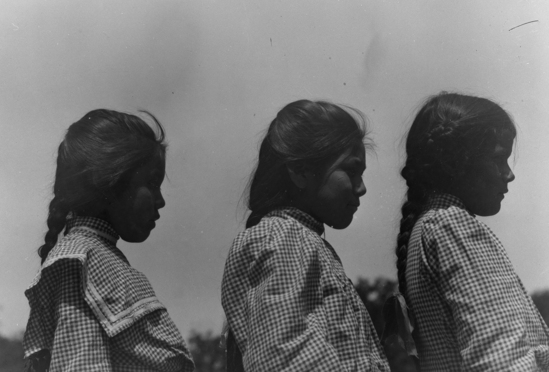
[(215, 73)]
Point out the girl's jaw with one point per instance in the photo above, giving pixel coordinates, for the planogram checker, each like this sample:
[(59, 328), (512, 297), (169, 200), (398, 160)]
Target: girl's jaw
[(134, 212), (333, 197)]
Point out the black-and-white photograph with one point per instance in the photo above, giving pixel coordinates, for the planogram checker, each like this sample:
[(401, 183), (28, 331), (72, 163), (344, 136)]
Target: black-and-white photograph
[(288, 185)]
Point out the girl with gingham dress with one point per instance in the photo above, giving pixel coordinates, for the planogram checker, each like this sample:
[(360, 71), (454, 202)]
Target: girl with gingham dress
[(470, 308), (288, 303), (90, 310)]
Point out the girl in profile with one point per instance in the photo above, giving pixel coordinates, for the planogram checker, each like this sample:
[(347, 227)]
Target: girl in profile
[(471, 310), (288, 303), (90, 310)]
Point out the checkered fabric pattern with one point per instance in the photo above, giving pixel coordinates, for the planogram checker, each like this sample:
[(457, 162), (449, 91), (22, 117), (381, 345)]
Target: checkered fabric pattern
[(289, 303), (472, 311), (94, 312)]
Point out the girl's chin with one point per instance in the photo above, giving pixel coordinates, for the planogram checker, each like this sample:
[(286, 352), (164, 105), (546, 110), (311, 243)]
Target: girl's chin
[(341, 223)]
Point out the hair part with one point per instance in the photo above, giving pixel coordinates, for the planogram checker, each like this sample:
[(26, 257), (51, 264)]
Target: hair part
[(305, 133), (95, 161), (448, 134)]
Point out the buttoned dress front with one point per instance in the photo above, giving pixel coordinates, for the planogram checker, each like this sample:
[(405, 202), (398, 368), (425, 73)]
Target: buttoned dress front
[(472, 311), (93, 312), (289, 303)]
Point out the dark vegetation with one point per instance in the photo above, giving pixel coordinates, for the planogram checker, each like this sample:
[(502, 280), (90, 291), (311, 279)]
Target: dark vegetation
[(208, 349), (11, 354)]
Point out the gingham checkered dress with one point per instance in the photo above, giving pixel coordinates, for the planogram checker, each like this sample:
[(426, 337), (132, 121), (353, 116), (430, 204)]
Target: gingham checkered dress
[(472, 311), (94, 312), (289, 304)]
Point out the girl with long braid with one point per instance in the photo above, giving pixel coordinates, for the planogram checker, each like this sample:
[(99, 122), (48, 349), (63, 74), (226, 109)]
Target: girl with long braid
[(471, 310), (90, 310)]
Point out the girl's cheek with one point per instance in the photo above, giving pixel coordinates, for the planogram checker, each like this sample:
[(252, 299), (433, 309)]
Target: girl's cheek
[(143, 199), (493, 169)]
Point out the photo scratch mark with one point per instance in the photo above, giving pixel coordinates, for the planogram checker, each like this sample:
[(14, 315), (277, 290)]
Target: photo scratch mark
[(16, 27), (271, 41), (523, 24)]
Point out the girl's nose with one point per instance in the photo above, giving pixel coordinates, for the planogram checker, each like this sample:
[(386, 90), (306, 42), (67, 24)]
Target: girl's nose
[(160, 202), (507, 174), (361, 188)]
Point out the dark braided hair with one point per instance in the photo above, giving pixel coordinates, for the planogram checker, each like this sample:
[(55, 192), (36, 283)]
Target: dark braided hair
[(449, 132), (95, 160), (305, 132)]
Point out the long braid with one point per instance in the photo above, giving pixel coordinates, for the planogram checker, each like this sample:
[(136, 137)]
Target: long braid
[(56, 223), (411, 210), (58, 210)]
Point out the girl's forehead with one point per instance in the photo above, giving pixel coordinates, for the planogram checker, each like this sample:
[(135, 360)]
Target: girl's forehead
[(503, 148), (159, 166), (154, 166), (505, 141), (353, 156), (355, 153)]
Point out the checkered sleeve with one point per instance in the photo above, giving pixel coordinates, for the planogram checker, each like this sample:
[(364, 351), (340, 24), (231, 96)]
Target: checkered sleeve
[(273, 299), (476, 280), (153, 343)]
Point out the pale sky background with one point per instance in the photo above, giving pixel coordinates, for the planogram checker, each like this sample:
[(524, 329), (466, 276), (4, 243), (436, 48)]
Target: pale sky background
[(215, 73)]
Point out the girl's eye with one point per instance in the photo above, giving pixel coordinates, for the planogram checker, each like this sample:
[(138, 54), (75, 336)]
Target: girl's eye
[(354, 173), (501, 160)]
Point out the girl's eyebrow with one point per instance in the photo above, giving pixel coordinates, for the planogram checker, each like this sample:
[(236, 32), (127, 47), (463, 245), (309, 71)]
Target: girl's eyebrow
[(500, 151), (354, 161)]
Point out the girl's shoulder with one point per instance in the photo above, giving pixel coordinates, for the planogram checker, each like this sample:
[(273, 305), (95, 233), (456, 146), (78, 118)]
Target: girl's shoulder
[(77, 245), (73, 247), (443, 211), (83, 235), (279, 229), (284, 223), (452, 222), (448, 215), (118, 294)]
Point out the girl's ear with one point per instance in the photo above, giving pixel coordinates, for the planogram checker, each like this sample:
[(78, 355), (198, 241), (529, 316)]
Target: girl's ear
[(108, 197), (454, 168), (298, 175)]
